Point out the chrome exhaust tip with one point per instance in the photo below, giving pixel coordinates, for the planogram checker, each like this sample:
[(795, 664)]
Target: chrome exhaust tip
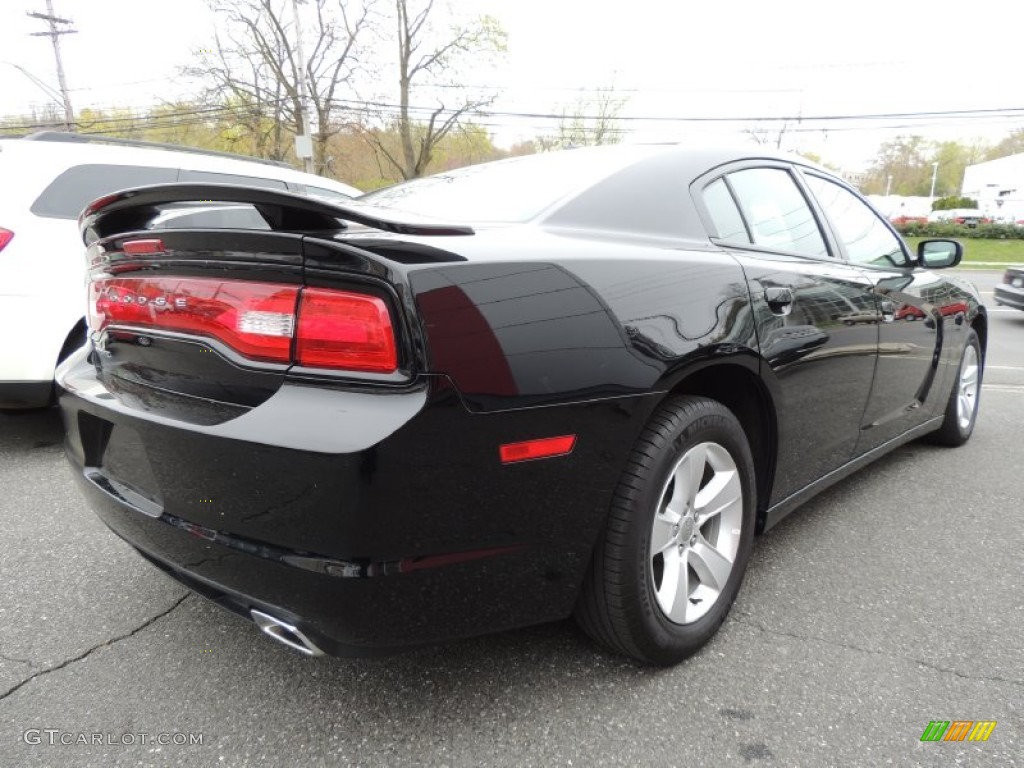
[(285, 633)]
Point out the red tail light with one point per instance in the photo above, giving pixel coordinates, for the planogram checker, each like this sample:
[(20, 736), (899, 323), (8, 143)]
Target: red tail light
[(345, 330), (5, 237), (331, 329)]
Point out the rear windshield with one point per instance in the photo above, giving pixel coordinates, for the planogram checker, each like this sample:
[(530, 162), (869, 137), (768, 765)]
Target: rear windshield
[(513, 190), (70, 192)]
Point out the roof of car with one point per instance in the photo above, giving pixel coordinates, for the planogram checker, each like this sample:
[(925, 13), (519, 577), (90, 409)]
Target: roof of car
[(54, 154), (642, 189)]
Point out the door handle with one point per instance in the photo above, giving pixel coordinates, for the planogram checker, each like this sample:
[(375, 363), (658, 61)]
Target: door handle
[(780, 300)]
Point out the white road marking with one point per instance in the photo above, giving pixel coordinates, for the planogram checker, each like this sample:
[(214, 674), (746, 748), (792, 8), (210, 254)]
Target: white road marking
[(1004, 368), (1004, 387)]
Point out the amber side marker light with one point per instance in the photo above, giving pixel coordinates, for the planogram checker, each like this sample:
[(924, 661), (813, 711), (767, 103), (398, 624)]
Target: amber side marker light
[(544, 448)]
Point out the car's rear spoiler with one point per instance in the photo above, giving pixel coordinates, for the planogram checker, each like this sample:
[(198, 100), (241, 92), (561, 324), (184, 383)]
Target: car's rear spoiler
[(132, 209)]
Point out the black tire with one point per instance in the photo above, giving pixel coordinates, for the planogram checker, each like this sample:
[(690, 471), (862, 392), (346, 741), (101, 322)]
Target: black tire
[(619, 601), (956, 430)]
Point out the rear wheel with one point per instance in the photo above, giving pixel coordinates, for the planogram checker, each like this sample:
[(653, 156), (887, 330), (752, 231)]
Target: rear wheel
[(672, 556), (964, 398)]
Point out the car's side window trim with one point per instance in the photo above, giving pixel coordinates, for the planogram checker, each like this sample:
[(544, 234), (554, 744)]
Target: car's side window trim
[(831, 245)]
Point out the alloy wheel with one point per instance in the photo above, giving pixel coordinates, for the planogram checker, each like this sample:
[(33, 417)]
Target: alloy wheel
[(967, 387), (696, 532)]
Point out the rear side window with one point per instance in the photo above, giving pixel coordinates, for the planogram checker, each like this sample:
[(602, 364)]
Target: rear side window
[(777, 212), (70, 192), (724, 213), (206, 177)]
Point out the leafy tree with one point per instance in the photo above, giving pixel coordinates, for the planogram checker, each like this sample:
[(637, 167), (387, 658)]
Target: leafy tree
[(48, 119), (905, 160), (952, 158), (911, 161), (1011, 145)]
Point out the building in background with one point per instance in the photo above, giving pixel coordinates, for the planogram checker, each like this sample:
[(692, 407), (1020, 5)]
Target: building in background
[(998, 186)]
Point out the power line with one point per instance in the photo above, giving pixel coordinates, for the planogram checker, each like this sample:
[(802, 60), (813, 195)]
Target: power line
[(958, 113), (498, 119)]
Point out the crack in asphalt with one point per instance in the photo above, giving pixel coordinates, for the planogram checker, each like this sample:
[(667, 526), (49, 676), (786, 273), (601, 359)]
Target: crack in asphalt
[(745, 618), (148, 622)]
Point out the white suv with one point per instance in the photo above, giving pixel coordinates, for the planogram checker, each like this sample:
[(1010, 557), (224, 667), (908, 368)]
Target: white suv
[(48, 179)]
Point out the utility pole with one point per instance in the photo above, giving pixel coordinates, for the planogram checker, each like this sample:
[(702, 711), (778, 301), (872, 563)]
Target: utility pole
[(303, 143), (54, 35)]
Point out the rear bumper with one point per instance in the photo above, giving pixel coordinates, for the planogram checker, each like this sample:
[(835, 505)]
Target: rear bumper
[(416, 533), (1009, 296)]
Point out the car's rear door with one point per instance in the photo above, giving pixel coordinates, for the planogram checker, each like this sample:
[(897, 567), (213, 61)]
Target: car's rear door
[(911, 303), (816, 318)]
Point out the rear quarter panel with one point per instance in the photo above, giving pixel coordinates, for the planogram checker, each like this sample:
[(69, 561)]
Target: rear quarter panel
[(533, 318)]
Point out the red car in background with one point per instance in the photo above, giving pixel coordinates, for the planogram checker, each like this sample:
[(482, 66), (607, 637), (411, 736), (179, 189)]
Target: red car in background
[(902, 221)]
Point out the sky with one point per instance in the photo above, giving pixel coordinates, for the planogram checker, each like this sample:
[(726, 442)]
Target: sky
[(676, 63)]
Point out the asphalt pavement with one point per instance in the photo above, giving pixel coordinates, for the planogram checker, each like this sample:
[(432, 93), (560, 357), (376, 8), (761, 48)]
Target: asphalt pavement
[(893, 599)]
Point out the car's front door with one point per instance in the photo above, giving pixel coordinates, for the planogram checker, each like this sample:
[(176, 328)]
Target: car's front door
[(817, 320), (913, 307)]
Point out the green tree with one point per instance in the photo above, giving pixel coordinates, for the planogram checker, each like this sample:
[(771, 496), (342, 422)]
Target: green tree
[(904, 161), (952, 158), (1011, 145)]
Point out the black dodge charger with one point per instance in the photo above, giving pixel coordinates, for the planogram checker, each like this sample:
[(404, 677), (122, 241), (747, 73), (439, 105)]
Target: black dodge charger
[(575, 383)]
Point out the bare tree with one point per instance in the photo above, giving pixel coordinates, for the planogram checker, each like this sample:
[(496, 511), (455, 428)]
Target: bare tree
[(592, 121), (425, 55), (768, 136), (254, 66)]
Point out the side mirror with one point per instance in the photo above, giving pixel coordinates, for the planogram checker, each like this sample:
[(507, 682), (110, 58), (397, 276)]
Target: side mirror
[(939, 254)]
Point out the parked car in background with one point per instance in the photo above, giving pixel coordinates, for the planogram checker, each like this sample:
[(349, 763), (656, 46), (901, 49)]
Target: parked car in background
[(1010, 292), (902, 220), (50, 178), (968, 217)]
